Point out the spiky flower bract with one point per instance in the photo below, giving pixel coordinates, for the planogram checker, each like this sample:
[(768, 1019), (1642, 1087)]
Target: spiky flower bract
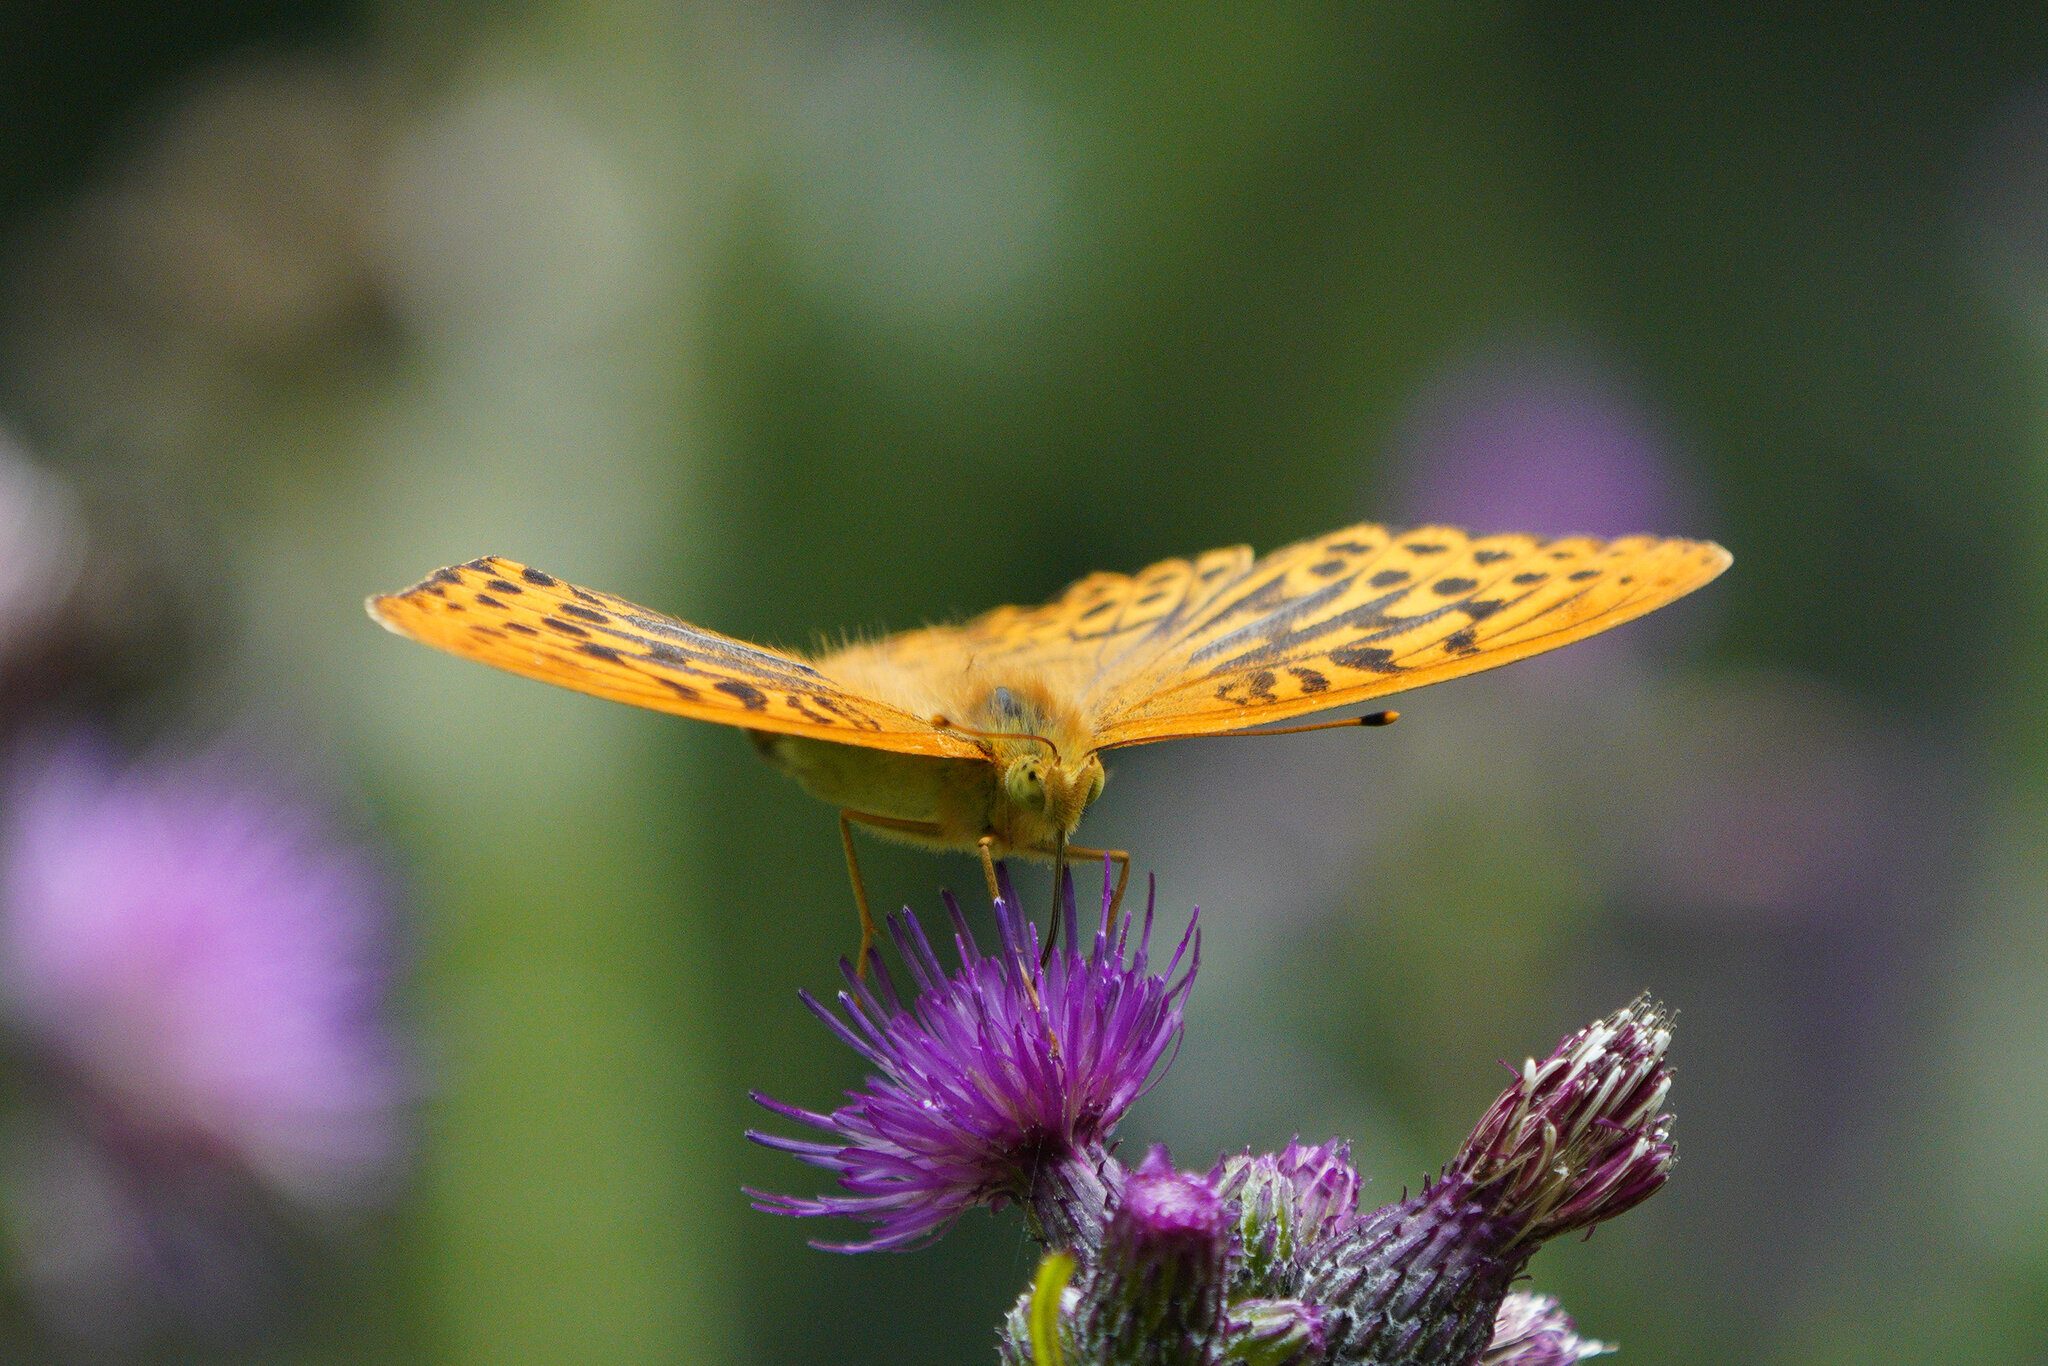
[(1001, 1081)]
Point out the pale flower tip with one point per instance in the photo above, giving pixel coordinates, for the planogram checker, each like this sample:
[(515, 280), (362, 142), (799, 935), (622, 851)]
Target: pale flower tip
[(1531, 1330), (1582, 1135)]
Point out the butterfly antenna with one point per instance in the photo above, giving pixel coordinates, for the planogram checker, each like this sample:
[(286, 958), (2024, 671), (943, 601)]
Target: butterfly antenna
[(941, 723), (1371, 718)]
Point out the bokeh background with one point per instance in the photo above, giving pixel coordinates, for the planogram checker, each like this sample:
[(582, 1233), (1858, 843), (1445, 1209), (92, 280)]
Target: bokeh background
[(366, 1005)]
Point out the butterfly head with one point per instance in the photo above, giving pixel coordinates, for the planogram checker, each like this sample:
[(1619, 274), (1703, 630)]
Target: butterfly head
[(1053, 788), (1046, 771)]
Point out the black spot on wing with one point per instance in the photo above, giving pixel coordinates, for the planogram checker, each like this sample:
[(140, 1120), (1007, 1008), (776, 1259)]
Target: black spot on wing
[(1453, 586), (1583, 575), (1425, 548), (1271, 639), (1462, 642), (1328, 567), (584, 613), (597, 651), (1387, 578), (750, 697), (1352, 547), (538, 579), (1250, 690), (504, 586), (567, 628), (486, 600), (1529, 578), (800, 703), (1489, 556), (1370, 658), (1309, 679)]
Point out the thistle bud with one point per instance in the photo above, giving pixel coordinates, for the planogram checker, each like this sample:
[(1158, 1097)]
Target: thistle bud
[(1155, 1295), (1288, 1204), (1579, 1138)]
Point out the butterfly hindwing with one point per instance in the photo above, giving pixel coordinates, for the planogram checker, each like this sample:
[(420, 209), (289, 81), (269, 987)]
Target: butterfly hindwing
[(532, 623), (1369, 611)]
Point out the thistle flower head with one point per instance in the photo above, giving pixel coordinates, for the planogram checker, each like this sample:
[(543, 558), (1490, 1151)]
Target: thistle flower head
[(999, 1081)]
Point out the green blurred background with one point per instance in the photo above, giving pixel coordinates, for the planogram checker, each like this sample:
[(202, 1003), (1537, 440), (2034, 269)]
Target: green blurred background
[(800, 318)]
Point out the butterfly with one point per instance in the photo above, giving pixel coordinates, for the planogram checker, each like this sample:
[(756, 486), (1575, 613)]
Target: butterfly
[(988, 736)]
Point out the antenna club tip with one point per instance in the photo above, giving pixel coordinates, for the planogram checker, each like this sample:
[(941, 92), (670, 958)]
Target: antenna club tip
[(1379, 718)]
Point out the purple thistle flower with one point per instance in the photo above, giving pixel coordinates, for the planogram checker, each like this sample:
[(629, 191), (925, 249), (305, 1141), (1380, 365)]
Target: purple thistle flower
[(192, 966), (1000, 1082), (1578, 1139), (1531, 1330)]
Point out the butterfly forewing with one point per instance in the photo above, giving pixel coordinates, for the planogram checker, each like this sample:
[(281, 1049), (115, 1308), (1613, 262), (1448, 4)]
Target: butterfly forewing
[(1370, 611), (532, 623)]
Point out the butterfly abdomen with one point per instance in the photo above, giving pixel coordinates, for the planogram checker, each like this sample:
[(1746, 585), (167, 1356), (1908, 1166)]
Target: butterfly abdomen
[(951, 795)]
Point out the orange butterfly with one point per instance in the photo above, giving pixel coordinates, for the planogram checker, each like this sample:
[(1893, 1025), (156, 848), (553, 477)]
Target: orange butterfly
[(990, 735)]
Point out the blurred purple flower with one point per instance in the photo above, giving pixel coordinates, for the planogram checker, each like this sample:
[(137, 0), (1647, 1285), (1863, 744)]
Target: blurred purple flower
[(1001, 1082), (1531, 1330), (192, 966), (1804, 809), (1539, 439)]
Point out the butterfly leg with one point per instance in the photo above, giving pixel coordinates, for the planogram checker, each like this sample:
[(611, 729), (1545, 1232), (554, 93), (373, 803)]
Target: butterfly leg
[(1123, 873), (986, 844), (868, 932)]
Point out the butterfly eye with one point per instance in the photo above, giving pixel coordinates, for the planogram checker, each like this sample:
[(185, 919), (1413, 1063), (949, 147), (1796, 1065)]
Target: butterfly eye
[(1026, 780)]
